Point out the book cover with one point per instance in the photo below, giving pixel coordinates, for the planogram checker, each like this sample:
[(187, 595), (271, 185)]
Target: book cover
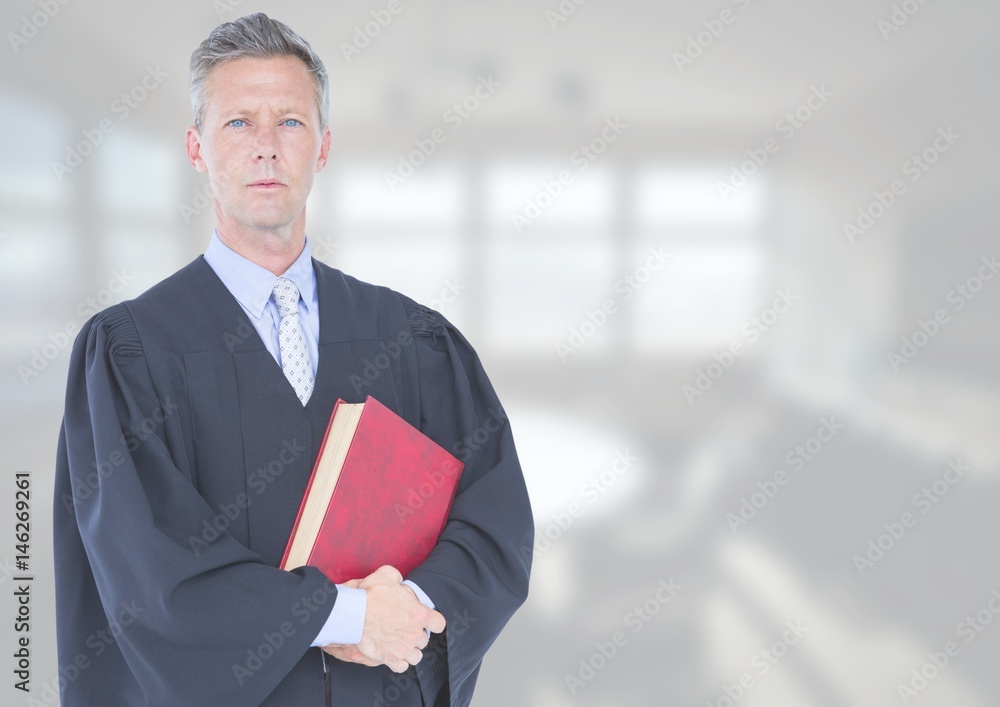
[(379, 494)]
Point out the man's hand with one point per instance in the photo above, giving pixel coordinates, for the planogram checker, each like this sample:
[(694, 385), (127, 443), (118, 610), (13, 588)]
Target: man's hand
[(349, 654), (395, 620)]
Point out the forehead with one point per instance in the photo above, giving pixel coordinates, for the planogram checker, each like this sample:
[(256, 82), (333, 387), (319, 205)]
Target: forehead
[(248, 80)]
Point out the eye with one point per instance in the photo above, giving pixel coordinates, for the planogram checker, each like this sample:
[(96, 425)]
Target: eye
[(292, 120), (236, 120)]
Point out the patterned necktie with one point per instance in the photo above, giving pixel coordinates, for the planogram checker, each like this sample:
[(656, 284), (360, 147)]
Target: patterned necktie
[(295, 361)]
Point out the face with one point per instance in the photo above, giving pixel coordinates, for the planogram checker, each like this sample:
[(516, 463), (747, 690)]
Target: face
[(260, 143)]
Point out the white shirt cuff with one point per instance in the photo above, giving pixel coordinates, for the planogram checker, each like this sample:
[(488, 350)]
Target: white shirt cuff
[(347, 618), (424, 599)]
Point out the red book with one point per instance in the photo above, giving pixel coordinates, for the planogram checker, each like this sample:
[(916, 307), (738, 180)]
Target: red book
[(379, 494)]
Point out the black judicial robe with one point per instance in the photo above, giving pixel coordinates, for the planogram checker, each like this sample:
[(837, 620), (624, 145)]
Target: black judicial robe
[(183, 456)]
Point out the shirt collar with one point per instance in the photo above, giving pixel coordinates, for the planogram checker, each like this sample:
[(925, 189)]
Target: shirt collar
[(252, 284)]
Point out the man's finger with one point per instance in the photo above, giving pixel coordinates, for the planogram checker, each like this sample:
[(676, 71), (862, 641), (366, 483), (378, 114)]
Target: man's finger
[(361, 659), (414, 656), (389, 573), (349, 654), (436, 622), (368, 655), (386, 574)]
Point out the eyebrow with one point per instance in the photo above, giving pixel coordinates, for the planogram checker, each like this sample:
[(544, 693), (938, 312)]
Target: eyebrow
[(243, 110)]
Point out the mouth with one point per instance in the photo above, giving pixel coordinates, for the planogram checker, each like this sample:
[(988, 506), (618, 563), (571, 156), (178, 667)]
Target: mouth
[(266, 184)]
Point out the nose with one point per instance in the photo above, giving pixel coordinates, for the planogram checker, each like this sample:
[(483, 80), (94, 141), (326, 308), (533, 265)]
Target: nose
[(266, 147)]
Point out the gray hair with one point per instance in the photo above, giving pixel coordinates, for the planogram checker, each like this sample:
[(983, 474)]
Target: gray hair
[(258, 36)]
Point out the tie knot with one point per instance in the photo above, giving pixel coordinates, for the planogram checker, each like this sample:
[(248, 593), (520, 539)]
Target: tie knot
[(286, 296)]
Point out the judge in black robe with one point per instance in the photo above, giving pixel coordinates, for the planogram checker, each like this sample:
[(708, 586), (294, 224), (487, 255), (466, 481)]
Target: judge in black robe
[(183, 456)]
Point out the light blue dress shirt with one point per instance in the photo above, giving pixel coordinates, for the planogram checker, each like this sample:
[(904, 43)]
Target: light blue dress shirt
[(252, 284)]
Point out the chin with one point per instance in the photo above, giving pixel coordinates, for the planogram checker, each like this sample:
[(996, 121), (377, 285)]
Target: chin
[(267, 220)]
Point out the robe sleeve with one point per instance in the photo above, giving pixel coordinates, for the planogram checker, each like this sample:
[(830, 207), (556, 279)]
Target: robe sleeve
[(213, 624), (477, 574)]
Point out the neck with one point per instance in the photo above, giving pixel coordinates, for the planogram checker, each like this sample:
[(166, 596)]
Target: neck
[(273, 249)]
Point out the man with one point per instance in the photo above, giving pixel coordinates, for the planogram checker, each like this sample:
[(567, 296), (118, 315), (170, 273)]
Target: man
[(194, 414)]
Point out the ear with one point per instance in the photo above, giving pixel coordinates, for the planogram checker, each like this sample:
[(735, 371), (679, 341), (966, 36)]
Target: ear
[(193, 141), (324, 149)]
